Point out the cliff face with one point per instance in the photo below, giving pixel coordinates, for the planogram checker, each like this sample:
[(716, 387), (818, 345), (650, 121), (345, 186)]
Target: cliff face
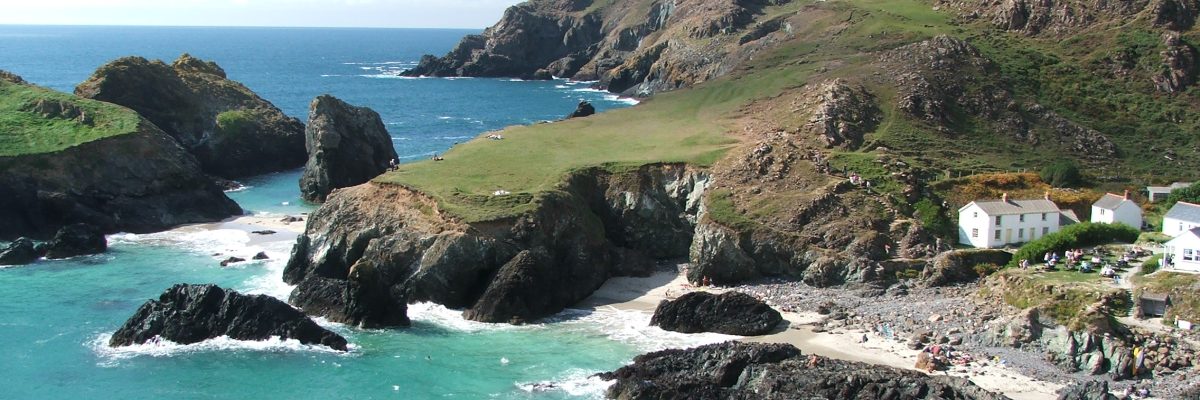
[(373, 248), (631, 47), (229, 129), (137, 181), (347, 146)]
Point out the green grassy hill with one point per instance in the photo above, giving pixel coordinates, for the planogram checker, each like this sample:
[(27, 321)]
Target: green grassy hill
[(36, 120)]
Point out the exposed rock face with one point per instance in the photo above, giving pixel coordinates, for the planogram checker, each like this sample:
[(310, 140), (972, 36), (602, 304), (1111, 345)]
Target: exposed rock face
[(631, 48), (1061, 17), (231, 131), (1090, 390), (371, 249), (1179, 65), (958, 266), (585, 109), (192, 313), (731, 313), (733, 370), (19, 252), (844, 113), (76, 240), (140, 181), (347, 146)]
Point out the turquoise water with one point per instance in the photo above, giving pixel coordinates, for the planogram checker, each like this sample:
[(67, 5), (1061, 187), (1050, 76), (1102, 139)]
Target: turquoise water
[(55, 316)]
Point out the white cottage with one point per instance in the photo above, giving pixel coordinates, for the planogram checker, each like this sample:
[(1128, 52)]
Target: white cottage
[(1113, 209), (1160, 193), (1183, 252), (996, 223), (1181, 218)]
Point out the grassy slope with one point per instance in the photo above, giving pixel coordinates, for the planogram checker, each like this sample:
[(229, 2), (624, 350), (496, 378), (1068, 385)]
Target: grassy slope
[(24, 132), (692, 125)]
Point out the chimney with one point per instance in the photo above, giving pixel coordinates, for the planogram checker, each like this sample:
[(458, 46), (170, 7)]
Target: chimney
[(1047, 195), (1126, 194), (1004, 197)]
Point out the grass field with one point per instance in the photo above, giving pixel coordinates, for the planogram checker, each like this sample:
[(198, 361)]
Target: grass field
[(26, 132)]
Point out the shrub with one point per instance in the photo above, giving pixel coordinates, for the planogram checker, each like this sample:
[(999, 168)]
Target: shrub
[(1075, 236), (933, 218), (983, 270), (1151, 265), (1062, 173), (233, 122), (1190, 194)]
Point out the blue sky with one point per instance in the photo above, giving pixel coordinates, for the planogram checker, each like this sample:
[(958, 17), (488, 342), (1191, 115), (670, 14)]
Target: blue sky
[(322, 13)]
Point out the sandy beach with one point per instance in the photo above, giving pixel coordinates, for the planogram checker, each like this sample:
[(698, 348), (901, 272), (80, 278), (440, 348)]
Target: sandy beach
[(644, 294), (270, 228)]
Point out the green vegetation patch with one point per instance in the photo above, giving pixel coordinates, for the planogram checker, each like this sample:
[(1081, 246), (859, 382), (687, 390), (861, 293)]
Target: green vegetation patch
[(234, 122), (1063, 295), (35, 120), (1075, 236)]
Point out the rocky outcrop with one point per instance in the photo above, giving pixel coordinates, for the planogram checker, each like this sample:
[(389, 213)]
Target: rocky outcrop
[(583, 110), (734, 370), (347, 146), (730, 313), (19, 252), (958, 266), (136, 180), (188, 314), (229, 129), (76, 240), (375, 247), (844, 113), (1179, 65), (630, 47), (1090, 390)]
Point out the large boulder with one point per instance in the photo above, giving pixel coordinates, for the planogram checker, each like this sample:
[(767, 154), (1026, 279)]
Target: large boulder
[(583, 110), (347, 146), (192, 313), (19, 252), (734, 370), (731, 313), (958, 266), (1090, 390), (76, 240), (231, 130)]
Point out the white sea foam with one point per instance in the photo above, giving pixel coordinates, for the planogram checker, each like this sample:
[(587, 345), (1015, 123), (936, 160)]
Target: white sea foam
[(444, 117), (633, 327), (391, 76), (619, 99), (452, 319), (575, 382), (167, 348), (590, 90), (561, 87)]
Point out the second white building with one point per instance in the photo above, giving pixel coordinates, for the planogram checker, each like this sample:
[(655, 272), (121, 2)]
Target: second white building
[(997, 223)]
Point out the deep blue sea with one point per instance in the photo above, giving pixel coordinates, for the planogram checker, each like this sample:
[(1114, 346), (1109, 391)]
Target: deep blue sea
[(55, 316)]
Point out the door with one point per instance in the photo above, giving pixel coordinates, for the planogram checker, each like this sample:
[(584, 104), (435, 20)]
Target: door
[(1008, 235)]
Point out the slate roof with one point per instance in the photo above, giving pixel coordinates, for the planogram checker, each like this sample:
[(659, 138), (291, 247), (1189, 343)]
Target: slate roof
[(1067, 217), (1185, 212), (998, 207), (1176, 185), (1109, 201)]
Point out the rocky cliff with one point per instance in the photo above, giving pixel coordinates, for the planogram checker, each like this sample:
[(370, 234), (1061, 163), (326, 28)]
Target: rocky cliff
[(133, 178), (632, 47), (229, 129), (347, 146), (375, 247)]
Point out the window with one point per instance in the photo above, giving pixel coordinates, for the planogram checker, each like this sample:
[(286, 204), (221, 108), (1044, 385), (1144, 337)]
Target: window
[(1190, 255), (997, 234), (1044, 216), (975, 214), (1020, 233), (974, 232), (997, 220), (1021, 218), (1102, 211), (1045, 231)]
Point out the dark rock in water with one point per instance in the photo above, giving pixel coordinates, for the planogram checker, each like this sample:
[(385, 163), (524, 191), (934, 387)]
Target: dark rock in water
[(19, 252), (232, 260), (347, 146), (731, 313), (734, 370), (290, 219), (76, 240), (584, 109), (1090, 390), (262, 255), (231, 130), (518, 291), (192, 313), (264, 232)]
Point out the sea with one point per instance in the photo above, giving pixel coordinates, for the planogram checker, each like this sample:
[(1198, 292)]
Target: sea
[(56, 316)]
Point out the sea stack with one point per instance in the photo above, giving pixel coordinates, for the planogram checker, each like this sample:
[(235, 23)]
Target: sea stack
[(187, 314), (346, 145), (231, 130)]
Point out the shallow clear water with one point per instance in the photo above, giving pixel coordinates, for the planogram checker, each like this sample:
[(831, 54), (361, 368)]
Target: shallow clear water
[(56, 315)]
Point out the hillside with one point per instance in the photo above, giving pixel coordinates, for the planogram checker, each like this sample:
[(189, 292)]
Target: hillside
[(27, 126)]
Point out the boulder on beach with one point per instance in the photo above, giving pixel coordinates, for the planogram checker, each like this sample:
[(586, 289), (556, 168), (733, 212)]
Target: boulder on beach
[(192, 313), (735, 370), (731, 313), (76, 240), (346, 145)]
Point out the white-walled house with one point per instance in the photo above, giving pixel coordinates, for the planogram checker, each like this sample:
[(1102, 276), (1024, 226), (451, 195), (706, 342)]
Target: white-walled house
[(1160, 193), (1181, 218), (996, 223), (1184, 251), (1112, 209)]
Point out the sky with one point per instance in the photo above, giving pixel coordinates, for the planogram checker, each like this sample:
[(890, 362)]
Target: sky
[(292, 13)]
